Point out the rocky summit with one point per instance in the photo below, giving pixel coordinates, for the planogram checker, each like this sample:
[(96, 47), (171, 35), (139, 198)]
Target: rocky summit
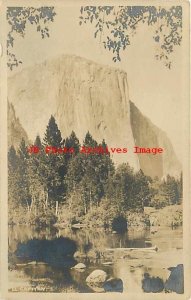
[(86, 96)]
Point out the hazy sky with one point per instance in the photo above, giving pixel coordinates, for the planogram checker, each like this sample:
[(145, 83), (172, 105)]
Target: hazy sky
[(156, 90)]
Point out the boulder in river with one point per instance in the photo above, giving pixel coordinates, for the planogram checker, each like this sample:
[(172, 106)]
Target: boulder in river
[(175, 282), (79, 266), (32, 263), (152, 284), (113, 285), (97, 278)]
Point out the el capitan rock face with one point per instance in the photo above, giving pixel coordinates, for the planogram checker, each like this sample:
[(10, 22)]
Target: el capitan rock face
[(96, 100), (83, 95)]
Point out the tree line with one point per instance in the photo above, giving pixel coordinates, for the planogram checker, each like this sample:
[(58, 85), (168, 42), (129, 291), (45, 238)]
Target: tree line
[(41, 185)]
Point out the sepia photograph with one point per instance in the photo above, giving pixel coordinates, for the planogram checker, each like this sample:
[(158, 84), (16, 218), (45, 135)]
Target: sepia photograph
[(96, 154)]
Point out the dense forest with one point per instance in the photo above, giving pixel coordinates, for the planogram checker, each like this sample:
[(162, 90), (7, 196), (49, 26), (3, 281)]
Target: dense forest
[(72, 187)]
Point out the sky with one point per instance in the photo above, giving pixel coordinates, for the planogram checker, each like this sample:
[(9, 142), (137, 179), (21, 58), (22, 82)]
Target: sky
[(156, 90)]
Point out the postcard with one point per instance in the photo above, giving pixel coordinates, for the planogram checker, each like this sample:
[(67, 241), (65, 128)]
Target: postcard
[(95, 164)]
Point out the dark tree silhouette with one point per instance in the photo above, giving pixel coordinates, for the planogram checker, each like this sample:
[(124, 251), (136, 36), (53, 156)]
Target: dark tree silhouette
[(53, 135)]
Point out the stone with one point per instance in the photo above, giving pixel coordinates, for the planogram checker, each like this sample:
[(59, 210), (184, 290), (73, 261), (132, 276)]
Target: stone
[(152, 284), (97, 278), (79, 266), (32, 263), (113, 285), (175, 282)]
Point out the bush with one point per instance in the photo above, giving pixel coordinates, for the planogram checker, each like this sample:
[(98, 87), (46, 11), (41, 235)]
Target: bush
[(158, 201), (17, 215), (44, 219)]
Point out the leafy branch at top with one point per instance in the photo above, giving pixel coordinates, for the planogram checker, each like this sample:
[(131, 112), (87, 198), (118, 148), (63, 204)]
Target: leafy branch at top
[(17, 18), (116, 25)]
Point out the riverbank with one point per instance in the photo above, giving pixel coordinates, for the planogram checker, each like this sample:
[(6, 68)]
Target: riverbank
[(170, 216), (97, 217)]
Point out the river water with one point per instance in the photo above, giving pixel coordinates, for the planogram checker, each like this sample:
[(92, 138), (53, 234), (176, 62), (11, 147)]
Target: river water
[(58, 275)]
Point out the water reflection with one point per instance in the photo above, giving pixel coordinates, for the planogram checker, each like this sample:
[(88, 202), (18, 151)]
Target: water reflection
[(28, 273), (57, 251)]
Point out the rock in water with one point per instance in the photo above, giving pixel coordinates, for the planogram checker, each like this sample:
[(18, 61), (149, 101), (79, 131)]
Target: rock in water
[(175, 282), (84, 95), (79, 266), (152, 284), (113, 285), (97, 278)]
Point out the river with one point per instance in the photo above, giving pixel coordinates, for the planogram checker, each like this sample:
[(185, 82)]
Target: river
[(58, 275)]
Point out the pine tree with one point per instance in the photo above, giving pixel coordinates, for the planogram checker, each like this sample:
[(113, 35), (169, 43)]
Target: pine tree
[(23, 151), (53, 165), (89, 141), (73, 142), (38, 142), (171, 190), (120, 187), (180, 189), (106, 166), (37, 183), (23, 155), (89, 173), (12, 159), (53, 135), (93, 187), (142, 190), (13, 183), (75, 172)]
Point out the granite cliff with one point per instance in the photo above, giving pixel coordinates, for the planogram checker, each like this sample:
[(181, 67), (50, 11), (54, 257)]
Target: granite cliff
[(83, 96), (15, 130), (146, 134)]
